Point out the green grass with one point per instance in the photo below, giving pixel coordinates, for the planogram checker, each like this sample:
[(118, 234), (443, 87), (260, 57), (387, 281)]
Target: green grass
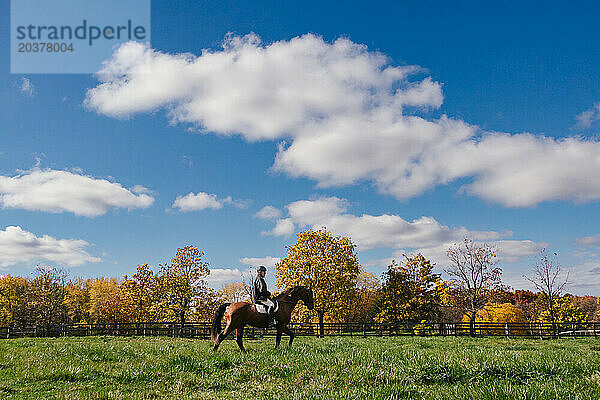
[(330, 368)]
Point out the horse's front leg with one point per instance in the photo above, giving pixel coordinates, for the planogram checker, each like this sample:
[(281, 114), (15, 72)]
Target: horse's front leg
[(278, 338), (290, 333)]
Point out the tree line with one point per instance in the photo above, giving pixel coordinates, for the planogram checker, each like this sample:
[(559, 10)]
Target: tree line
[(408, 291)]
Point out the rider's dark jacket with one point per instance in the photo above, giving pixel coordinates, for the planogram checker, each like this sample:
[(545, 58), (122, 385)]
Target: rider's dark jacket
[(260, 289)]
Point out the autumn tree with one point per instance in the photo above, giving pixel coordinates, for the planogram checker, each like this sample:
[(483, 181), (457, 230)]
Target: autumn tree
[(14, 300), (410, 292), (503, 313), (107, 302), (564, 311), (183, 285), (248, 279), (547, 278), (142, 290), (77, 301), (48, 295), (475, 276), (233, 292), (326, 264), (528, 302), (363, 305), (589, 304)]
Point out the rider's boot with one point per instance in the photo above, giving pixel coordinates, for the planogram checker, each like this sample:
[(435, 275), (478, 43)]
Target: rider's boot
[(272, 320)]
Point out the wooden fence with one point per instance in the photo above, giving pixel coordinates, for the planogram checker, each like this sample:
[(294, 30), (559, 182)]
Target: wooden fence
[(202, 330)]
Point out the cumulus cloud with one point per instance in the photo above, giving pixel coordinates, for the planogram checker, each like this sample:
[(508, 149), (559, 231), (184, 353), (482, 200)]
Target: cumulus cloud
[(221, 275), (588, 117), (260, 92), (200, 201), (203, 201), (329, 103), (374, 231), (64, 191), (283, 227), (267, 261), (268, 212), (19, 246), (27, 87), (591, 241), (515, 250), (584, 277), (425, 234), (508, 251)]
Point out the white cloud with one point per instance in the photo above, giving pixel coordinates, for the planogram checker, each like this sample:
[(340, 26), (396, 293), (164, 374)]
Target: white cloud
[(268, 212), (515, 250), (283, 227), (63, 191), (268, 261), (425, 234), (588, 117), (373, 231), (19, 246), (508, 251), (348, 115), (221, 275), (202, 201), (261, 92), (27, 87), (592, 241)]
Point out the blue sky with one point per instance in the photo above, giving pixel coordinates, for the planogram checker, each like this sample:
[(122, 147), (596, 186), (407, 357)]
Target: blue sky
[(491, 134)]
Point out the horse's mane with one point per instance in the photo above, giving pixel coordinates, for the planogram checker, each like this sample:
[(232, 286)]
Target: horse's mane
[(289, 292)]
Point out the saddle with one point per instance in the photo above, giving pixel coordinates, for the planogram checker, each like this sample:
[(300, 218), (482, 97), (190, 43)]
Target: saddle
[(262, 309)]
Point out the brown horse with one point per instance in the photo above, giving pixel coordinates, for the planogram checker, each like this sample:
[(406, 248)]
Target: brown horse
[(238, 315)]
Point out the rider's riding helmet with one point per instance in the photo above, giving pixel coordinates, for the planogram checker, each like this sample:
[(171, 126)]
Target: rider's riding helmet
[(262, 268)]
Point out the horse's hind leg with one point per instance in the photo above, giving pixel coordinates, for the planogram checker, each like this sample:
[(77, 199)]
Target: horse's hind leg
[(228, 329), (239, 336)]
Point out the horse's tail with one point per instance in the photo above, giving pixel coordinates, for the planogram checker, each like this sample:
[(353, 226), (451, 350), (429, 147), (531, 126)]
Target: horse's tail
[(216, 322)]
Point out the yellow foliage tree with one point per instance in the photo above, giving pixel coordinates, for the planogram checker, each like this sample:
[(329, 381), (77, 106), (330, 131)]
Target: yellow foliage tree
[(564, 312), (411, 292), (107, 303), (77, 301), (14, 297), (48, 296), (141, 290), (183, 286), (325, 263), (499, 314), (233, 292), (364, 303)]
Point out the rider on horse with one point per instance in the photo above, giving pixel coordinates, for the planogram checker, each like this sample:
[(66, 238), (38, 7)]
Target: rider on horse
[(262, 295)]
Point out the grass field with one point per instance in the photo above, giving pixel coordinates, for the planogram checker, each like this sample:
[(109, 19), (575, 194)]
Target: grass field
[(330, 368)]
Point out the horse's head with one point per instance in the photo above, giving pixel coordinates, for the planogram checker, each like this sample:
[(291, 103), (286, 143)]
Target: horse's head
[(301, 293), (308, 299)]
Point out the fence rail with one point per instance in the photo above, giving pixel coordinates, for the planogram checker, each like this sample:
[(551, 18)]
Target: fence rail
[(202, 330)]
